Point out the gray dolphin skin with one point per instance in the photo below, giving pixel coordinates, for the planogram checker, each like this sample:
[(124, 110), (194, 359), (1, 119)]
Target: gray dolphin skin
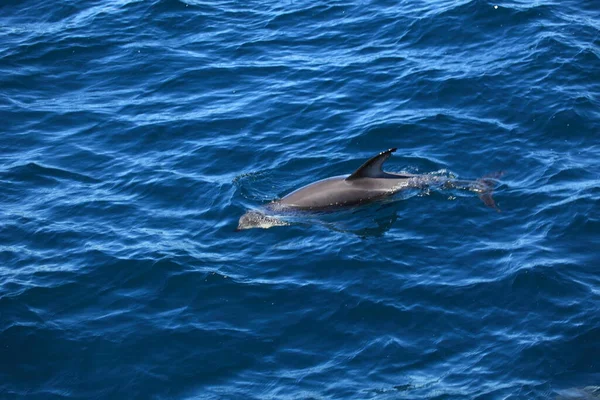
[(367, 184)]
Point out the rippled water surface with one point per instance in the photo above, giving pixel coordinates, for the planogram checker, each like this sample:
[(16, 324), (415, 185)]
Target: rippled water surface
[(136, 133)]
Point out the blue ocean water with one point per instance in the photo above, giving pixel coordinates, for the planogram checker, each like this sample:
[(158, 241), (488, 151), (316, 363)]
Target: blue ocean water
[(136, 133)]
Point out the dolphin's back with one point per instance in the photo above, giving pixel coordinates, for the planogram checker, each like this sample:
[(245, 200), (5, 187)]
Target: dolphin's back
[(338, 191)]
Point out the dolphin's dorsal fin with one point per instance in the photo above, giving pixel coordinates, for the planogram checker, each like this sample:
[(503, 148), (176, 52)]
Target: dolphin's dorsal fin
[(373, 167)]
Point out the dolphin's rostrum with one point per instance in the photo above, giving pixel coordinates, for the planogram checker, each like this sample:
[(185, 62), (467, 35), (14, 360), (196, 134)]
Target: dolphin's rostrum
[(368, 183)]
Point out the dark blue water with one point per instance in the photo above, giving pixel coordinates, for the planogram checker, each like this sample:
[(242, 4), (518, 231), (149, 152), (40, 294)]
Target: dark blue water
[(135, 133)]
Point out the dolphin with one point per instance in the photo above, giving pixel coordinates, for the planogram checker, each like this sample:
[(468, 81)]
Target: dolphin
[(585, 393), (367, 184)]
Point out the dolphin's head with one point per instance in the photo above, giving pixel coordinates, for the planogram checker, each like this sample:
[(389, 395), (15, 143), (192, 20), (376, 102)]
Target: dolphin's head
[(256, 219)]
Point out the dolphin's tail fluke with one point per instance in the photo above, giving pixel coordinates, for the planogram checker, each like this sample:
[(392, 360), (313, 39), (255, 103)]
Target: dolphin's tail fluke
[(485, 188)]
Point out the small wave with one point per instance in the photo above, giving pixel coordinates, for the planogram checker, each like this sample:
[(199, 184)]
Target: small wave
[(33, 172)]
